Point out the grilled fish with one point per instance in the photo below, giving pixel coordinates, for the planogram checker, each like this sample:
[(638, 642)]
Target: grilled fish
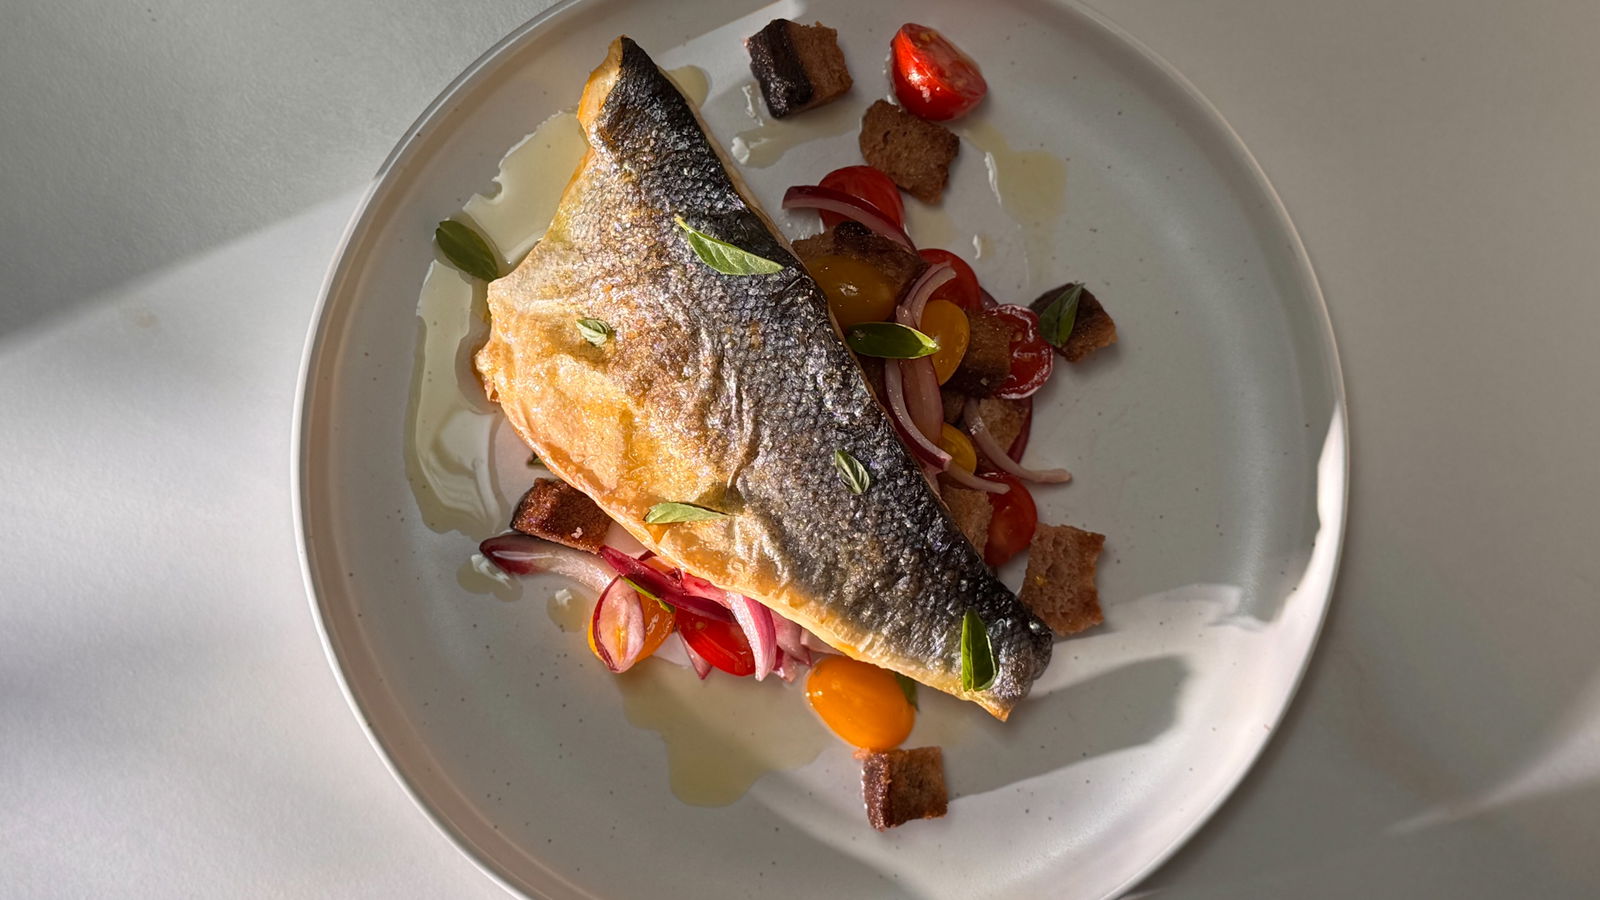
[(732, 393)]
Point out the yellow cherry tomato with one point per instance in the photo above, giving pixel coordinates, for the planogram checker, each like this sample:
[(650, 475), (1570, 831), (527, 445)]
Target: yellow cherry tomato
[(658, 625), (857, 292), (946, 323), (861, 703), (955, 442)]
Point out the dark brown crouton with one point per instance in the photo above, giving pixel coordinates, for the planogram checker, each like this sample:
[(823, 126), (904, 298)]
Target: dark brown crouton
[(799, 67), (902, 785), (899, 266), (914, 153), (1092, 329), (971, 510), (557, 511), (1003, 419), (1059, 585), (954, 402), (988, 356)]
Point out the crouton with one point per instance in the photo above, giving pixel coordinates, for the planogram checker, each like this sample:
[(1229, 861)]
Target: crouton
[(1003, 419), (954, 402), (988, 358), (971, 510), (914, 153), (898, 265), (799, 67), (557, 511), (1059, 585), (1092, 329), (901, 785)]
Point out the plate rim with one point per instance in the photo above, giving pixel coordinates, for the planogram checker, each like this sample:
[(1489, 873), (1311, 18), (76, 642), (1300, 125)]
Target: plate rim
[(361, 220)]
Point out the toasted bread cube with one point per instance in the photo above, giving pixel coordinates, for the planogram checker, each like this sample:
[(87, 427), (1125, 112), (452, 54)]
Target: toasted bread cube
[(557, 511), (1092, 329), (953, 402), (1003, 419), (799, 67), (971, 511), (898, 265), (914, 153), (901, 785), (988, 358), (1059, 584)]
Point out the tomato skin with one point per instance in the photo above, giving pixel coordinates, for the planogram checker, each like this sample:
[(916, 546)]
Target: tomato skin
[(722, 644), (1014, 521), (1032, 358), (932, 78), (864, 183), (961, 290)]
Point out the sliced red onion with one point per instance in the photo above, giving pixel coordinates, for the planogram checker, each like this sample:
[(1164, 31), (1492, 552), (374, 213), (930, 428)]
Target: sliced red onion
[(661, 585), (672, 652), (617, 616), (895, 392), (788, 668), (791, 639), (909, 312), (755, 620), (811, 196), (522, 554), (622, 539), (701, 666), (921, 386), (996, 454), (976, 482)]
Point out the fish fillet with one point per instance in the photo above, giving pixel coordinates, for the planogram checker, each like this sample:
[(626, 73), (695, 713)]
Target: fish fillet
[(731, 392)]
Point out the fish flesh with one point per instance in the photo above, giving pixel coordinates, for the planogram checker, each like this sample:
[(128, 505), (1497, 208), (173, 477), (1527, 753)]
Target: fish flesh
[(731, 392)]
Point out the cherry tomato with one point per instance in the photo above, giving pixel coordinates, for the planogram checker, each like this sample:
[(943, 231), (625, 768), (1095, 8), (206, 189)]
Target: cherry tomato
[(961, 290), (932, 77), (1015, 518), (956, 443), (860, 702), (658, 625), (857, 291), (947, 324), (1032, 358), (722, 644), (865, 183)]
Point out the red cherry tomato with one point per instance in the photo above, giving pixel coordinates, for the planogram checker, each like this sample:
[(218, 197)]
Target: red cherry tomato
[(865, 183), (1032, 359), (721, 643), (961, 290), (1015, 518), (932, 77)]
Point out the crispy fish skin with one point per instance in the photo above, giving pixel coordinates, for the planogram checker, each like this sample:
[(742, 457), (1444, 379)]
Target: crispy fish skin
[(732, 392)]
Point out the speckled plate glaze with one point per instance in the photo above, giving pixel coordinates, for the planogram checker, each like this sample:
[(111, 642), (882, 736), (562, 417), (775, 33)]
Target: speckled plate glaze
[(1209, 445)]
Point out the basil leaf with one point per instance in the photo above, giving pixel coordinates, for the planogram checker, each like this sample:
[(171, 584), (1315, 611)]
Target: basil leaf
[(1055, 323), (723, 256), (594, 331), (669, 513), (889, 340), (852, 471), (645, 592), (909, 688), (467, 250), (977, 655)]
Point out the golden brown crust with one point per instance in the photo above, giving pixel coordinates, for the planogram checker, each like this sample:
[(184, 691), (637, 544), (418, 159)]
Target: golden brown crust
[(1059, 585), (1002, 419), (988, 358), (971, 510), (556, 511), (901, 785), (899, 266), (914, 153)]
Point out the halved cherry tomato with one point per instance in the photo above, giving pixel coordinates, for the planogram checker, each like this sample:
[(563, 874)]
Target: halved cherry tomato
[(865, 183), (932, 77), (658, 624), (1015, 519), (1032, 358), (862, 703), (721, 643), (946, 324), (961, 290), (857, 291)]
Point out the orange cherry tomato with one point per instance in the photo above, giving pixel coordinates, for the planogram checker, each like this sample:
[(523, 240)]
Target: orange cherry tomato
[(956, 443), (864, 183), (962, 290), (1015, 519), (932, 77), (658, 625), (861, 703), (857, 292), (947, 324)]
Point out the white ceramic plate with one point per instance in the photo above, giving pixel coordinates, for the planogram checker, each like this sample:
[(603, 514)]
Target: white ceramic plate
[(1209, 445)]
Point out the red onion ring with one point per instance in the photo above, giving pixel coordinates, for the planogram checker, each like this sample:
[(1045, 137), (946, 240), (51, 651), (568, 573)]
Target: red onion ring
[(701, 666), (996, 454), (618, 606), (661, 585), (909, 312), (895, 392), (791, 640), (522, 554), (976, 482), (812, 196), (755, 620)]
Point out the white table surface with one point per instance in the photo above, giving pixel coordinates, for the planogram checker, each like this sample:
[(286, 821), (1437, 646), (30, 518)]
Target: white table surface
[(174, 178)]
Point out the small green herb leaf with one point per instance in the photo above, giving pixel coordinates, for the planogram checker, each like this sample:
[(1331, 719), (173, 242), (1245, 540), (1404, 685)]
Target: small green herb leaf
[(669, 513), (889, 340), (467, 250), (594, 331), (909, 688), (533, 460), (977, 655), (644, 592), (852, 471), (1055, 323), (723, 256)]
